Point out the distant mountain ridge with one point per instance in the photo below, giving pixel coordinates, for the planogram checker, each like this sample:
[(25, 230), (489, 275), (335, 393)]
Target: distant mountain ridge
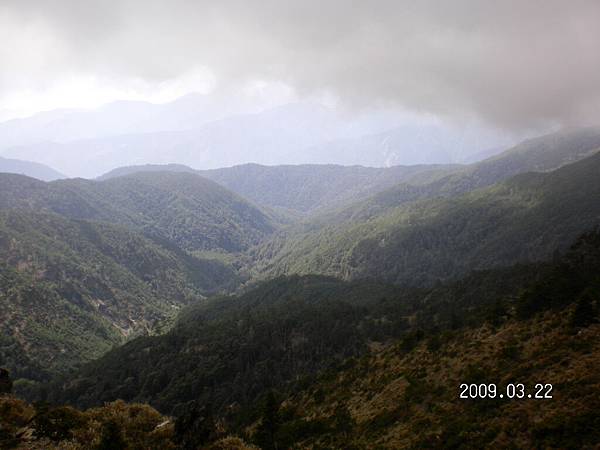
[(525, 218), (130, 170), (541, 154), (305, 188), (194, 212), (205, 132), (273, 133), (31, 169), (316, 188), (404, 145), (117, 118)]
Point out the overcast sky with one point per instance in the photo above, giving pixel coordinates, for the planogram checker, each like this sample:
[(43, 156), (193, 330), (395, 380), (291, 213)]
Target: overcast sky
[(513, 64)]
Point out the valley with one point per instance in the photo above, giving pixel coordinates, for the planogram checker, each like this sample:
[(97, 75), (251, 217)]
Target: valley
[(304, 288), (299, 225)]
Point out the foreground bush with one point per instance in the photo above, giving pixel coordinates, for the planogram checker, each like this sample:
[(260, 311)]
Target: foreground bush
[(114, 426)]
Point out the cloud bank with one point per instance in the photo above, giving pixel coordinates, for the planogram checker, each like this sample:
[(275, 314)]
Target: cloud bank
[(514, 64)]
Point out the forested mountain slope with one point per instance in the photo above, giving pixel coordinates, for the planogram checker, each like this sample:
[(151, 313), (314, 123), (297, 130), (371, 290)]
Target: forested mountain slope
[(305, 188), (195, 213), (317, 188), (337, 193), (412, 348), (326, 189), (405, 395), (86, 264), (71, 289), (541, 154), (230, 349), (525, 218)]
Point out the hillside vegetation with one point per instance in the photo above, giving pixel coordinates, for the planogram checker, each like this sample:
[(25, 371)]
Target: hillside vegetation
[(71, 289), (195, 213), (311, 189), (345, 192), (525, 218), (405, 394), (284, 329), (305, 188), (87, 265), (396, 399), (353, 363)]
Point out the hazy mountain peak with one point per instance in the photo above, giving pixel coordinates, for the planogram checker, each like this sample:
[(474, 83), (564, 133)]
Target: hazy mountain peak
[(128, 170), (207, 131), (31, 169)]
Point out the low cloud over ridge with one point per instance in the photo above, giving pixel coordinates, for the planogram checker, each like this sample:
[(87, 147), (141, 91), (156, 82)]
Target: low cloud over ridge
[(513, 64)]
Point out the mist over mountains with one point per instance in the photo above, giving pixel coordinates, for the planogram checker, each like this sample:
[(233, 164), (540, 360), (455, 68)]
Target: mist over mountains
[(205, 133), (299, 225), (226, 265), (229, 295)]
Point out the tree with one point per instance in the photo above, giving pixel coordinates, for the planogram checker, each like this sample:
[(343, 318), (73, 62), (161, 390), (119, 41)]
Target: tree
[(584, 313), (342, 420), (56, 423), (195, 427), (5, 382), (112, 437), (265, 435)]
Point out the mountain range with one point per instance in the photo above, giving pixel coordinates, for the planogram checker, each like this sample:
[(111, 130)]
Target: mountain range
[(72, 289), (31, 169), (304, 189), (422, 234), (205, 132), (196, 213), (318, 189), (318, 306), (110, 259)]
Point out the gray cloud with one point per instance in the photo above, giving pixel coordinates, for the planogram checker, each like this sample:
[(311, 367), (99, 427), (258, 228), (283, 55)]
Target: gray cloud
[(512, 63)]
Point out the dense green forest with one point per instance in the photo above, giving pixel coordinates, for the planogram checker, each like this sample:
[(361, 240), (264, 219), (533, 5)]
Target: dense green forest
[(87, 265), (71, 289), (525, 218), (195, 213), (306, 188), (324, 344)]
